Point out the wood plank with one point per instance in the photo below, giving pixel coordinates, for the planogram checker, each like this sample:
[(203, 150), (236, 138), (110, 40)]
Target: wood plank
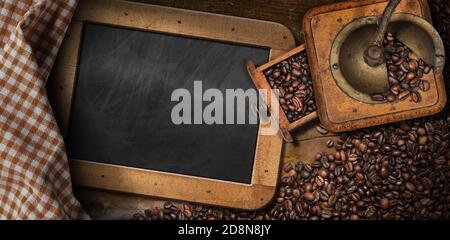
[(187, 23), (287, 12)]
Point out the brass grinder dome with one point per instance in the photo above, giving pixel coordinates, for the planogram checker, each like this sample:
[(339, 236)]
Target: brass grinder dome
[(359, 80)]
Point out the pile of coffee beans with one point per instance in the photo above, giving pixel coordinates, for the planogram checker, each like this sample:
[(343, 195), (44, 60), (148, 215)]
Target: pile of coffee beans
[(292, 78), (398, 171), (405, 72), (395, 171), (197, 212)]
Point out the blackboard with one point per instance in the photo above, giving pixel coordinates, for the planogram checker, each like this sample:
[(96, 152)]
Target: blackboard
[(121, 111)]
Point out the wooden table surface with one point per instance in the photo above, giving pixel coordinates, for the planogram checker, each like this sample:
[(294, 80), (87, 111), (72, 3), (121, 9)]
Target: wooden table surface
[(109, 205)]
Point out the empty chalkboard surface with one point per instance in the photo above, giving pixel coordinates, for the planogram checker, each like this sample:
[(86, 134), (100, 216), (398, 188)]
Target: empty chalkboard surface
[(122, 106)]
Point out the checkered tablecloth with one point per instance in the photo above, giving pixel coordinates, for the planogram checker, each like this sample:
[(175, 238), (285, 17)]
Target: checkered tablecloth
[(34, 173)]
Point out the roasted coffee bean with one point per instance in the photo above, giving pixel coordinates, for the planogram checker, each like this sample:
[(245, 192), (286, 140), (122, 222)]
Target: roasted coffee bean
[(324, 196), (377, 97), (330, 143), (320, 181), (308, 167), (299, 167), (393, 80), (292, 76), (326, 214), (318, 156), (360, 176), (414, 83), (404, 67), (292, 173), (321, 129), (413, 64), (391, 98), (415, 96), (296, 193), (323, 173), (362, 147), (308, 187), (296, 72), (352, 157), (287, 167), (276, 74), (410, 76), (168, 205), (348, 167), (410, 186), (325, 163), (419, 73), (423, 140), (403, 95), (384, 203), (421, 131), (309, 196), (424, 85), (395, 89)]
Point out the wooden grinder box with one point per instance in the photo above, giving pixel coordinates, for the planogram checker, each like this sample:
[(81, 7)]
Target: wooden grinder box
[(339, 112), (336, 110)]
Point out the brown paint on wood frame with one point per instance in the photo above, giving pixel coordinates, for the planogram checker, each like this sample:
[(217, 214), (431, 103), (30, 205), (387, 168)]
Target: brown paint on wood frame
[(186, 23), (337, 111), (261, 82)]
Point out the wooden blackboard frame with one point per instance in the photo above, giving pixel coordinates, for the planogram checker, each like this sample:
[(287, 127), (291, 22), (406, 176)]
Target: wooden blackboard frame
[(186, 23)]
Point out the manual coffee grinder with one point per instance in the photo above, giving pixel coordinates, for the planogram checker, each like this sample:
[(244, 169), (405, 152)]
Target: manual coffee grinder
[(347, 57), (352, 69)]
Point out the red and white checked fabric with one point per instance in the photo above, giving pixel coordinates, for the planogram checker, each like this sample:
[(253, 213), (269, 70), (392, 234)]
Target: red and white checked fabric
[(34, 174)]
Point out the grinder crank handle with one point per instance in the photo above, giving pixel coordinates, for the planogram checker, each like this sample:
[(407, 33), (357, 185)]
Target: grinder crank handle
[(384, 21), (374, 54)]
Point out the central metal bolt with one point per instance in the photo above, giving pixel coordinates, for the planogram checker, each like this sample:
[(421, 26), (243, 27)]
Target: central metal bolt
[(374, 55)]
